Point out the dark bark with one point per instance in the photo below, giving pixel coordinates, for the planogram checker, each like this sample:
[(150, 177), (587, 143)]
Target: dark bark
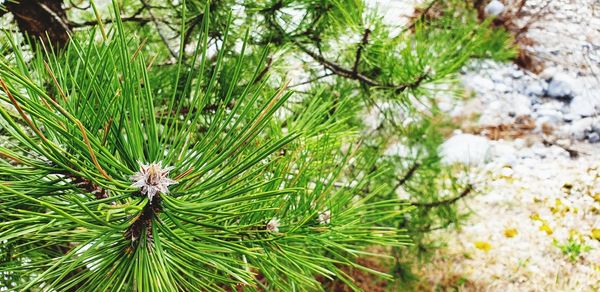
[(44, 20)]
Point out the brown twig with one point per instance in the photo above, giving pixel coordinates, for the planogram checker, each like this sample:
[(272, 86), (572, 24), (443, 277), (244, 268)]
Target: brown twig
[(311, 80), (88, 186), (264, 71), (409, 174), (361, 46), (336, 68), (143, 222), (422, 16), (140, 20), (450, 201)]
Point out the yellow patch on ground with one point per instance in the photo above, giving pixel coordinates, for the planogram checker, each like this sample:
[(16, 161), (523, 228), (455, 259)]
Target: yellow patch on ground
[(483, 245), (510, 232), (546, 228), (596, 233)]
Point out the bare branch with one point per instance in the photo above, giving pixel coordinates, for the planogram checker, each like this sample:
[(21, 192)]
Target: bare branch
[(450, 201), (361, 46), (140, 20)]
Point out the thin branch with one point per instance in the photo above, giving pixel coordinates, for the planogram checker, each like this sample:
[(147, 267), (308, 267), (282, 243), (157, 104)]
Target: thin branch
[(140, 20), (162, 37), (351, 74), (88, 186), (446, 202), (311, 80), (422, 16), (264, 72), (73, 5), (409, 174), (190, 29), (336, 68), (361, 46)]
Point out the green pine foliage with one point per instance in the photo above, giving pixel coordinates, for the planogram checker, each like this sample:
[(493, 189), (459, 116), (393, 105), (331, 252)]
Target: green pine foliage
[(262, 184), (250, 202)]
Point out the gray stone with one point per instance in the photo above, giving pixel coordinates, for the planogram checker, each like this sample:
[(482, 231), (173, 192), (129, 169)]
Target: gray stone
[(570, 117), (517, 73), (594, 137), (549, 115), (561, 86), (534, 89), (578, 129), (495, 8), (584, 105)]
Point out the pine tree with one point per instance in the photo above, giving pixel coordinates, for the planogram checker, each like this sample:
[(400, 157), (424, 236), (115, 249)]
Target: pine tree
[(165, 149)]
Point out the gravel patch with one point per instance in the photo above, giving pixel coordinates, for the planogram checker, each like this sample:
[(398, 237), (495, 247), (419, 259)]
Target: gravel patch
[(536, 217)]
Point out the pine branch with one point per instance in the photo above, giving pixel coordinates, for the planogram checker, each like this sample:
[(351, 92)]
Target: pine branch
[(264, 71), (137, 19), (422, 16), (87, 186), (361, 46), (409, 174), (336, 68), (446, 202)]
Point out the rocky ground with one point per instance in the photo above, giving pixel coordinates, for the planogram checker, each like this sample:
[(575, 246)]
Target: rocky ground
[(532, 142)]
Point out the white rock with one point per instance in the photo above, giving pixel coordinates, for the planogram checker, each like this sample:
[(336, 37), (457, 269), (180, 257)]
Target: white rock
[(578, 128), (585, 105), (521, 105), (570, 117), (562, 86), (517, 73), (501, 87), (504, 153), (559, 152), (507, 172), (495, 8), (497, 76), (535, 89), (480, 84), (548, 115), (596, 126), (466, 149)]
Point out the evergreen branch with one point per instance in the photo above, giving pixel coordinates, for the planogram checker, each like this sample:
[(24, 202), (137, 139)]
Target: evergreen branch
[(422, 16), (137, 19), (264, 71), (361, 46), (446, 202), (336, 68), (409, 174), (317, 78), (88, 186), (355, 75)]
